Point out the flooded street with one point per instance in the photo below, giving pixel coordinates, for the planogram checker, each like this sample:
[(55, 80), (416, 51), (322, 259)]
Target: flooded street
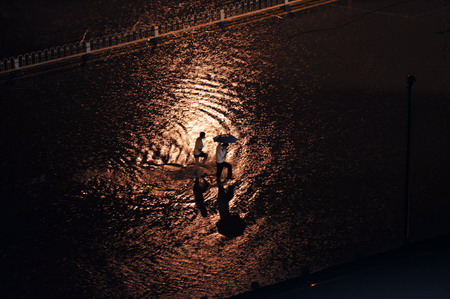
[(98, 169)]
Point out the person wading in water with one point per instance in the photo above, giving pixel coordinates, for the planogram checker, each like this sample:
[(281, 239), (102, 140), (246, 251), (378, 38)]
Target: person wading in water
[(198, 149)]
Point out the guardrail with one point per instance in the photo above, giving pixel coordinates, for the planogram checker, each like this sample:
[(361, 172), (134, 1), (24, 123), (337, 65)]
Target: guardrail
[(172, 26)]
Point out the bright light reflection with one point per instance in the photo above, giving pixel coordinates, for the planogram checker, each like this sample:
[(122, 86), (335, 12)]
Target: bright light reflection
[(202, 107)]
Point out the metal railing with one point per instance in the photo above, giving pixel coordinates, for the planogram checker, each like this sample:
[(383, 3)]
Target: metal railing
[(171, 26)]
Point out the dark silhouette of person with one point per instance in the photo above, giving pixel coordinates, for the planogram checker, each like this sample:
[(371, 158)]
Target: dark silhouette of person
[(199, 189), (229, 225), (221, 153)]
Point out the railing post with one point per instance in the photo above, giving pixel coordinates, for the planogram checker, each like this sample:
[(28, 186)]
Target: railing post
[(88, 55), (222, 16), (16, 64), (222, 19), (286, 5), (155, 39)]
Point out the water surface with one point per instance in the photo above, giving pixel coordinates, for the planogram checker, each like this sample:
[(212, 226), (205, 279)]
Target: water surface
[(100, 172)]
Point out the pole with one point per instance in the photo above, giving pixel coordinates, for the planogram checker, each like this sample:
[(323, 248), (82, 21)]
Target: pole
[(444, 30), (286, 5), (222, 16), (222, 23), (411, 80)]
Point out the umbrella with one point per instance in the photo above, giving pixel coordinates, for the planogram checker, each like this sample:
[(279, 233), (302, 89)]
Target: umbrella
[(226, 138)]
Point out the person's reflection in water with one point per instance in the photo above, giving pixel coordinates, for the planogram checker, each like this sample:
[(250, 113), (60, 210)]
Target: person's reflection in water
[(229, 225), (199, 189)]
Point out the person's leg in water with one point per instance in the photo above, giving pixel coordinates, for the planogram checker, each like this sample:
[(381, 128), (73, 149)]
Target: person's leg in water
[(230, 170), (205, 157), (201, 155), (219, 170)]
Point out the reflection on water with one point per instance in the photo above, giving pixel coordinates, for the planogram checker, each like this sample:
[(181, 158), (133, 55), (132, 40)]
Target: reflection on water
[(200, 104), (118, 154), (155, 167), (200, 187)]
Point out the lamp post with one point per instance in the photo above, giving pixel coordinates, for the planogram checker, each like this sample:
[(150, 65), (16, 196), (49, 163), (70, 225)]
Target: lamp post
[(410, 80)]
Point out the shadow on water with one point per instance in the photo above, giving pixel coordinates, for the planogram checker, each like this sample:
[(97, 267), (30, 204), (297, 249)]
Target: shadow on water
[(229, 225), (200, 187)]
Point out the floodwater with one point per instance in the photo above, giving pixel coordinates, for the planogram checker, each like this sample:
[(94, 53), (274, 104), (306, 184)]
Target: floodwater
[(98, 172)]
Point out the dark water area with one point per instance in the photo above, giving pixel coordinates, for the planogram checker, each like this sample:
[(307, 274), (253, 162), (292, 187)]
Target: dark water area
[(98, 173)]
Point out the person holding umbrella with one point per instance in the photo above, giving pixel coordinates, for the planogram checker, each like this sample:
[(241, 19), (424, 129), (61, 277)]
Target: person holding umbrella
[(221, 153)]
